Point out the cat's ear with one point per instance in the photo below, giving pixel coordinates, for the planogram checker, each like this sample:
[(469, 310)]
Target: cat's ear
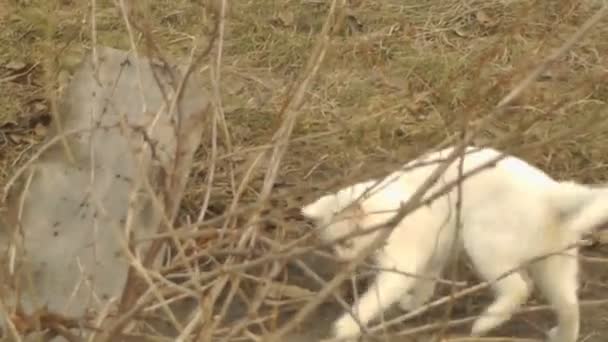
[(319, 209), (355, 209), (354, 213)]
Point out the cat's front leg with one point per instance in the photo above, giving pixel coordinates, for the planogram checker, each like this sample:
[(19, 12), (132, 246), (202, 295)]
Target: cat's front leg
[(423, 289), (421, 294), (386, 290), (346, 328)]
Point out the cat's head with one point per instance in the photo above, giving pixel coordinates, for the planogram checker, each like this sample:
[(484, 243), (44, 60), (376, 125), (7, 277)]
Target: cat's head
[(349, 211), (334, 222)]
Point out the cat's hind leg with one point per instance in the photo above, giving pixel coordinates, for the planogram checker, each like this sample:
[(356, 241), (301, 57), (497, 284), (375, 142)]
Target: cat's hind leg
[(557, 279), (496, 261)]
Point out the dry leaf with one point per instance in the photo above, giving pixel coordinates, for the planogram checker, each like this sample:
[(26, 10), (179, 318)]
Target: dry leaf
[(422, 96), (286, 18), (19, 138), (15, 65), (40, 129), (418, 101), (280, 290), (485, 19), (40, 107), (9, 125), (555, 73), (353, 23), (460, 33)]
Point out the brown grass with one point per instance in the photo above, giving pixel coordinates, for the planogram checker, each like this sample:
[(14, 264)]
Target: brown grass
[(398, 78)]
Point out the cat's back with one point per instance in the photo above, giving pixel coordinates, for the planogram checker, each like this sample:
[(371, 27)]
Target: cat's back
[(499, 167), (497, 178), (510, 197), (495, 175), (518, 169)]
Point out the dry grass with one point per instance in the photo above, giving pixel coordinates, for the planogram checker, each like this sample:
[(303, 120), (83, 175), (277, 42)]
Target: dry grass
[(398, 78)]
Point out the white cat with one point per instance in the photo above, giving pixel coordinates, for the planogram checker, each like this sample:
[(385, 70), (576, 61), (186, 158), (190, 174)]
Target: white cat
[(510, 213)]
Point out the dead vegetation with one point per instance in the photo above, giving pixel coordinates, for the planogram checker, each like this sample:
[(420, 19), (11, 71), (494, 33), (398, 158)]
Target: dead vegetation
[(355, 94)]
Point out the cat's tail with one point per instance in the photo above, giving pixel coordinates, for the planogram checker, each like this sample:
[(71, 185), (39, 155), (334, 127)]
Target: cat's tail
[(581, 207)]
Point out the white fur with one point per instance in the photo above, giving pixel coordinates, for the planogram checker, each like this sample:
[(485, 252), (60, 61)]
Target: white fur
[(510, 213)]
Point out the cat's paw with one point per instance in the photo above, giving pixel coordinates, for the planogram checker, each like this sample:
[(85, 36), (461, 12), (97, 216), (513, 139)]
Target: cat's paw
[(407, 303), (484, 324), (346, 329), (552, 335), (410, 303), (419, 297)]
